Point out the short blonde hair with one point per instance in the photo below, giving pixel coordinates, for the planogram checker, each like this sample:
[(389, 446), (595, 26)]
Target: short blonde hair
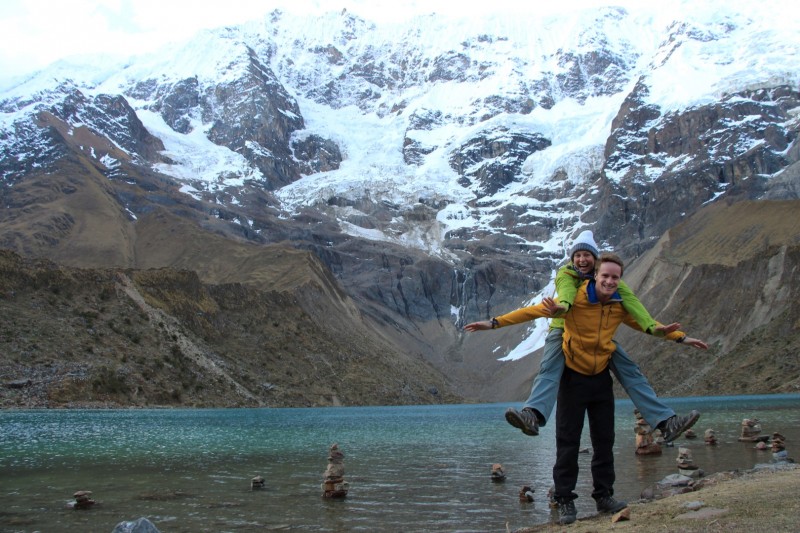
[(607, 257)]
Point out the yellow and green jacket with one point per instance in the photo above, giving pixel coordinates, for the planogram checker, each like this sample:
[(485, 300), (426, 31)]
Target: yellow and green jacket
[(568, 279), (589, 328)]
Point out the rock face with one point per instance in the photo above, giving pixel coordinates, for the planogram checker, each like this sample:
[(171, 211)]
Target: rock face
[(492, 160), (252, 115), (710, 136)]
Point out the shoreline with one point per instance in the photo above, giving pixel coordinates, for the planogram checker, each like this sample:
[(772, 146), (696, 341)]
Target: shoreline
[(763, 497)]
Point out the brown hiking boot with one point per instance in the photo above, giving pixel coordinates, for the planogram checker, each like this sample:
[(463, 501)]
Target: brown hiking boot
[(675, 425), (524, 420)]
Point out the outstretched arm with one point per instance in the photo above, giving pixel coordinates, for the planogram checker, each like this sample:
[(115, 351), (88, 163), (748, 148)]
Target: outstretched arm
[(668, 331), (523, 314), (478, 326), (567, 283), (635, 308)]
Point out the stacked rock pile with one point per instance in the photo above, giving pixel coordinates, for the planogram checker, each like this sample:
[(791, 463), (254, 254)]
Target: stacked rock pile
[(751, 427), (779, 453), (686, 464), (645, 444), (498, 474), (333, 483), (83, 499)]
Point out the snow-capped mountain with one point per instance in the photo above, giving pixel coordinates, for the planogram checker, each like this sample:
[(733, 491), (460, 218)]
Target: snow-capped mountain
[(438, 166)]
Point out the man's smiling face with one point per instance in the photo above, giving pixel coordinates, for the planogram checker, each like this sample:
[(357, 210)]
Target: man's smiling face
[(607, 279)]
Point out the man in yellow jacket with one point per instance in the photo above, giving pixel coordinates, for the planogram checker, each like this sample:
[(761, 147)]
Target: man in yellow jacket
[(586, 386)]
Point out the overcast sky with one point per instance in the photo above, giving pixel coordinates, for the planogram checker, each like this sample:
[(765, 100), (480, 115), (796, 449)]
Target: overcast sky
[(34, 33)]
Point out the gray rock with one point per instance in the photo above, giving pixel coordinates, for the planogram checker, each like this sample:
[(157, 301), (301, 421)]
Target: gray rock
[(140, 525), (675, 480)]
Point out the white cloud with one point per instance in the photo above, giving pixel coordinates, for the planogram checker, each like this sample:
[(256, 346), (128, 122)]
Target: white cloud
[(34, 33)]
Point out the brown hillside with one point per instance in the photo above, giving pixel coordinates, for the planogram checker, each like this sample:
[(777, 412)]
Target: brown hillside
[(70, 216), (729, 233), (223, 321), (730, 276), (88, 337)]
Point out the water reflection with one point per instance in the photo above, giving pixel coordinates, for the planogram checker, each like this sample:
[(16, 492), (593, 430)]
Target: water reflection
[(422, 468)]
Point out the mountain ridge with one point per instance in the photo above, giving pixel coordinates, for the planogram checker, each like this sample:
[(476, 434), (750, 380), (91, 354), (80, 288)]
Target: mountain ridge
[(433, 185)]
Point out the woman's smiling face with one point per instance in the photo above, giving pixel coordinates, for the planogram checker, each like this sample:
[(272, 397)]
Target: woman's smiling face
[(583, 261)]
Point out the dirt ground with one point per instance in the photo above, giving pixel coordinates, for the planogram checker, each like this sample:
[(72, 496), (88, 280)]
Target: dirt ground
[(756, 500)]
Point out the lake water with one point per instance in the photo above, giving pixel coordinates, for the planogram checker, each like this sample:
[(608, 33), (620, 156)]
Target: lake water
[(419, 468)]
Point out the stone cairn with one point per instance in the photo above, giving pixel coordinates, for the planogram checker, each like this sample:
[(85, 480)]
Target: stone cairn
[(645, 444), (333, 484), (83, 499), (498, 474), (751, 428), (257, 483), (686, 464), (709, 437), (779, 453), (526, 494), (551, 497)]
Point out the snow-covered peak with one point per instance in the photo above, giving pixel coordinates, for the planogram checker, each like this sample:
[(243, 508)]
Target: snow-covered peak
[(498, 122)]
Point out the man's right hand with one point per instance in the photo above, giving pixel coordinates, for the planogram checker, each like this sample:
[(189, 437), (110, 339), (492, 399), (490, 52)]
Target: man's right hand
[(479, 326), (697, 343)]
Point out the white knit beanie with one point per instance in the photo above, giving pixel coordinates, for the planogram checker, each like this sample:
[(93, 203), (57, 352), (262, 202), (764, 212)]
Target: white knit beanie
[(584, 241)]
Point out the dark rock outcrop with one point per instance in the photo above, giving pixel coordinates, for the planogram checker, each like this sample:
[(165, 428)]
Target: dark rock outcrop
[(494, 159)]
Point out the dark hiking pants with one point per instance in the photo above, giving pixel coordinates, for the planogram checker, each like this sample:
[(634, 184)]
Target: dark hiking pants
[(578, 395)]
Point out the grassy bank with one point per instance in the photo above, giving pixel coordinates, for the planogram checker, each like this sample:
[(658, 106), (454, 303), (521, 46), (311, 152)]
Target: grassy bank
[(733, 502)]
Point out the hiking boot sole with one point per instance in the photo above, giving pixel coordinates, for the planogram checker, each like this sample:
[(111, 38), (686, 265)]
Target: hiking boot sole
[(514, 418), (689, 423)]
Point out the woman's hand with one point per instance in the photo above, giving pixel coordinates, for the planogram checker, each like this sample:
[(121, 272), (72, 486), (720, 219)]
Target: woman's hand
[(669, 328), (553, 307)]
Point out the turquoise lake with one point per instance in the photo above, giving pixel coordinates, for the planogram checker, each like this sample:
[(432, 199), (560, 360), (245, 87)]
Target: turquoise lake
[(417, 468)]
